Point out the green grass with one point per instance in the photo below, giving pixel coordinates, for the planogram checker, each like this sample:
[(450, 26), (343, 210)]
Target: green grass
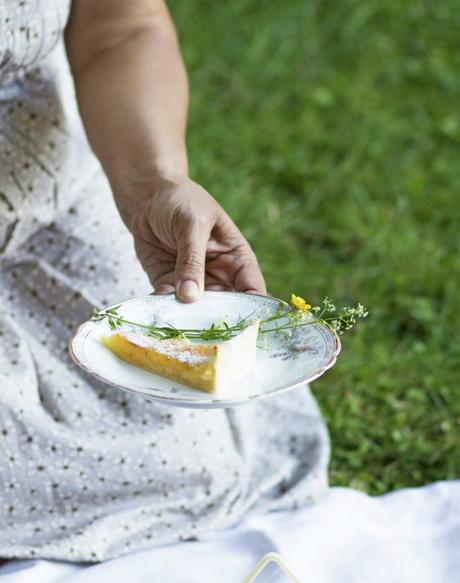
[(330, 132)]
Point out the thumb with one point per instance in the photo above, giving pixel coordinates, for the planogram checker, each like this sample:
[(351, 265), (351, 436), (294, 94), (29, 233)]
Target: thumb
[(190, 262)]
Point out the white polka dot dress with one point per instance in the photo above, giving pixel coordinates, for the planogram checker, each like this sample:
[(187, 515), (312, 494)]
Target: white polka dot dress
[(89, 472)]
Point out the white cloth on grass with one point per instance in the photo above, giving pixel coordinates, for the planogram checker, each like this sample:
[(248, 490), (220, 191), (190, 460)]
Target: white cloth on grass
[(410, 536)]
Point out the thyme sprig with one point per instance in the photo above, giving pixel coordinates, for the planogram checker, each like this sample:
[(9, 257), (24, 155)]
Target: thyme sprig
[(217, 331), (285, 320)]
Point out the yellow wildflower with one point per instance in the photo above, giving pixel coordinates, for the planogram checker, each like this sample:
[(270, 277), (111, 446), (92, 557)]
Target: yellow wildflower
[(299, 303)]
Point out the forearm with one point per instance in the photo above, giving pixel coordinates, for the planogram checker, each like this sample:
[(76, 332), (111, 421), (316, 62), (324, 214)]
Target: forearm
[(132, 94)]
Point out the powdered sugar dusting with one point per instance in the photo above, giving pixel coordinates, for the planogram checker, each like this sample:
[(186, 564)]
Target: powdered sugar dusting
[(180, 350)]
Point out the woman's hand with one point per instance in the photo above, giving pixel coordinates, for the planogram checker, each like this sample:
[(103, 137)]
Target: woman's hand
[(186, 243), (132, 93)]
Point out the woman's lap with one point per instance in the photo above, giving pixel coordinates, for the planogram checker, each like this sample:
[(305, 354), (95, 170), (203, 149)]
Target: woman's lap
[(92, 472)]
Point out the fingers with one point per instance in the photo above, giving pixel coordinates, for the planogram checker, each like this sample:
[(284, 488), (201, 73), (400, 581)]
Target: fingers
[(190, 262), (164, 288), (168, 288), (157, 262), (241, 260), (248, 277), (217, 287)]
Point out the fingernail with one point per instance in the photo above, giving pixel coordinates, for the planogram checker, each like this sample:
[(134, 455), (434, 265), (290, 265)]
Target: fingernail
[(164, 289), (188, 290)]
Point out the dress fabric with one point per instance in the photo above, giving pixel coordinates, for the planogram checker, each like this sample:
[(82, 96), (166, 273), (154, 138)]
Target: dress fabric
[(89, 472)]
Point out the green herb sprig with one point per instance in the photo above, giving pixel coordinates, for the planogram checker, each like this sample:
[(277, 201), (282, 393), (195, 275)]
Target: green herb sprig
[(217, 331), (286, 318)]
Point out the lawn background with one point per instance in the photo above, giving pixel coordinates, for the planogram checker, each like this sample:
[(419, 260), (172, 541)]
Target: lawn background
[(330, 132)]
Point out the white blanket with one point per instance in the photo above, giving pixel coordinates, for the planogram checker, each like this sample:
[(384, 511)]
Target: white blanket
[(408, 536)]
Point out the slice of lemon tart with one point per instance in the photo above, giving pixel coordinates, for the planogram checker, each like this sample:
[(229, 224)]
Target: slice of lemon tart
[(206, 366)]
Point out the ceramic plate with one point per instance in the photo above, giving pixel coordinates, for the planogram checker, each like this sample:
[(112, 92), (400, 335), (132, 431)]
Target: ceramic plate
[(282, 363)]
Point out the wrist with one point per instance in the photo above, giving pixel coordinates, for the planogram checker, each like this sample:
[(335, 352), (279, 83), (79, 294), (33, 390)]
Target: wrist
[(132, 190), (138, 176)]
